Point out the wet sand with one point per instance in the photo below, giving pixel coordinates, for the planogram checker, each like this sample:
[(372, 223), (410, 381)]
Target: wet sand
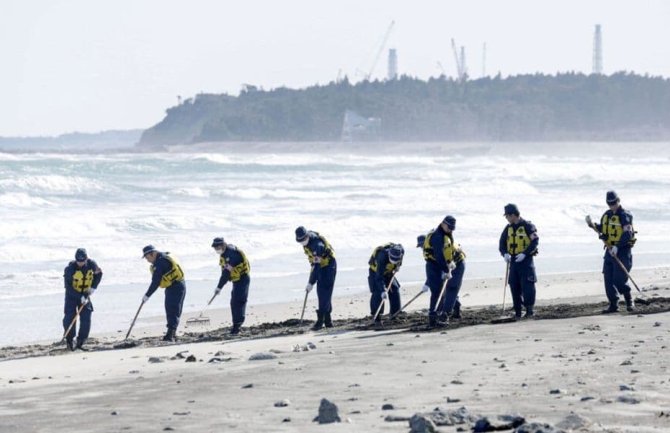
[(611, 370)]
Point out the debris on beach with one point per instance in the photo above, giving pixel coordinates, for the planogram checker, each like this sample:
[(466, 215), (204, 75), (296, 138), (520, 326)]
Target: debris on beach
[(328, 413), (261, 356)]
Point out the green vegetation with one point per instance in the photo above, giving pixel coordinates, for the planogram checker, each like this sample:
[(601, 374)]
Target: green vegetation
[(570, 106)]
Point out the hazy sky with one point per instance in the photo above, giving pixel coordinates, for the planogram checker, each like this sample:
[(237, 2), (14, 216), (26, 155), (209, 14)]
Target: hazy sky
[(83, 65)]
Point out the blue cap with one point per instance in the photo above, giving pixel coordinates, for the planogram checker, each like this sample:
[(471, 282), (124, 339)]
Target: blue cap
[(300, 233), (217, 242), (611, 197), (148, 249), (450, 222), (420, 240), (511, 209), (80, 255), (396, 252)]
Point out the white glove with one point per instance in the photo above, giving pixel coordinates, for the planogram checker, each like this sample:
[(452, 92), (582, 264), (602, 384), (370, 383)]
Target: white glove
[(217, 291), (588, 221), (452, 266), (507, 257), (82, 301), (385, 295), (145, 298), (613, 250), (425, 288), (520, 257), (444, 275), (309, 287)]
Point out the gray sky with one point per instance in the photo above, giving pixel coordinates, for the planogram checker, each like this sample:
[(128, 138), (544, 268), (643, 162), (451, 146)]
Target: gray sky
[(82, 65)]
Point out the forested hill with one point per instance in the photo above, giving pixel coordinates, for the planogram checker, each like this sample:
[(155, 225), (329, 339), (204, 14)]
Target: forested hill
[(520, 108)]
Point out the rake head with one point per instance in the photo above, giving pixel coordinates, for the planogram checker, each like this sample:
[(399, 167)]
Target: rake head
[(198, 321)]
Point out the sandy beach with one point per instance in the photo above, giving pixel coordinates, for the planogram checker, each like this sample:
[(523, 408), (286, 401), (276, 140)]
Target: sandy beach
[(580, 371)]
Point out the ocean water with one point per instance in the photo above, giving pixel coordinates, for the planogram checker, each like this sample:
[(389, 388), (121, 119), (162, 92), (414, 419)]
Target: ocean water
[(255, 195)]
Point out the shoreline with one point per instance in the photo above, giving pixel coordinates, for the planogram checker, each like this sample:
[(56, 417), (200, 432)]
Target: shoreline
[(476, 292)]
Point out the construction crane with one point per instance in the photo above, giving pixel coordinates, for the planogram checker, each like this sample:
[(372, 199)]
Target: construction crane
[(459, 66), (380, 51), (441, 68)]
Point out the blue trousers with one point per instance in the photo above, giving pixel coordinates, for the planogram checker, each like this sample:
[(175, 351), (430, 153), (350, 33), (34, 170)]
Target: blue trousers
[(376, 290), (174, 300), (325, 282), (70, 310), (522, 281), (434, 281), (453, 287), (615, 278), (238, 299)]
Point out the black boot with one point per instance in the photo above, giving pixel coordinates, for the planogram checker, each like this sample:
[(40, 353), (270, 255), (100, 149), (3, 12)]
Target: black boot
[(170, 335), (70, 344), (329, 322), (613, 308), (80, 346), (630, 305), (235, 330), (457, 311), (442, 319), (529, 313), (319, 321), (432, 321)]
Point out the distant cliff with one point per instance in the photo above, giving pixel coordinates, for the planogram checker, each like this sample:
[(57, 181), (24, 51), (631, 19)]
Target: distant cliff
[(521, 108)]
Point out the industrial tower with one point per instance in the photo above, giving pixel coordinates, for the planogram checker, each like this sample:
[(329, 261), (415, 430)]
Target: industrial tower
[(597, 51), (393, 64)]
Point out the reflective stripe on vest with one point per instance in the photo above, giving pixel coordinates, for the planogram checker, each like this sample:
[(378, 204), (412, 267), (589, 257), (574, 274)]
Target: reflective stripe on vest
[(389, 268), (451, 251), (174, 274), (238, 271), (82, 282), (329, 252), (612, 230), (517, 240)]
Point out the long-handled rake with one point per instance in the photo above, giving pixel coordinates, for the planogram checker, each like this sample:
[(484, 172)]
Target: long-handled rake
[(503, 318), (408, 302), (200, 319), (439, 298), (381, 304), (74, 320), (134, 319)]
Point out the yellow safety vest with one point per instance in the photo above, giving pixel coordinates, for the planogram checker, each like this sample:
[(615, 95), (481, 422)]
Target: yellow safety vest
[(238, 271), (390, 268), (612, 230), (517, 240), (452, 251), (174, 274), (329, 253), (82, 282)]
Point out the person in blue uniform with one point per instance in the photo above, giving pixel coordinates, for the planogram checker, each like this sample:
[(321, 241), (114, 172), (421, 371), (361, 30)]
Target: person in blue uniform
[(439, 252), (82, 277), (167, 274), (616, 230), (321, 258), (518, 245), (235, 268), (385, 262), (456, 311)]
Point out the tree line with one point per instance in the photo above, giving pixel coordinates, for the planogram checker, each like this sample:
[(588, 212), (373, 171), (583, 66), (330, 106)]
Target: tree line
[(535, 107)]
